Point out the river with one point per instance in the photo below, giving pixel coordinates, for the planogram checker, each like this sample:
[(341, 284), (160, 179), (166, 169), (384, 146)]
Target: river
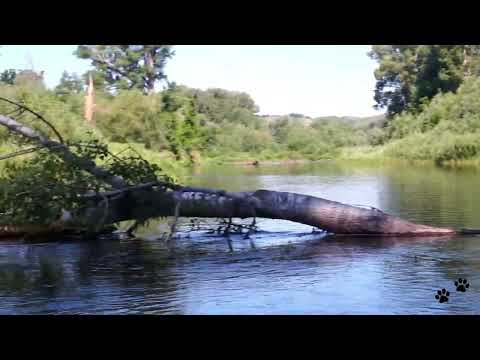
[(285, 268)]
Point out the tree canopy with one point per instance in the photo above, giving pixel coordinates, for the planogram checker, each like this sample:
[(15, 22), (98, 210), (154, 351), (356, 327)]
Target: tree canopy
[(69, 84), (8, 76), (410, 75), (128, 66), (420, 86)]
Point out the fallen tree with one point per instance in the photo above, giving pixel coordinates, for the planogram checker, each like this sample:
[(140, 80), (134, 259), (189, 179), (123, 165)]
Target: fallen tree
[(119, 200)]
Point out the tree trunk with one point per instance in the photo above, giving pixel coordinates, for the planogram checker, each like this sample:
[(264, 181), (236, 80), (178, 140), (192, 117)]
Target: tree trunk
[(150, 67), (151, 200), (89, 104), (466, 70), (331, 216)]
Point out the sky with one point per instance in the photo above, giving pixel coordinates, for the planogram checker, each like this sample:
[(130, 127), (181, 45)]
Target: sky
[(314, 80)]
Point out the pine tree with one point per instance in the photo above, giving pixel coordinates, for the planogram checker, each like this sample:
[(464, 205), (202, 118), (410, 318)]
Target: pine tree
[(128, 66)]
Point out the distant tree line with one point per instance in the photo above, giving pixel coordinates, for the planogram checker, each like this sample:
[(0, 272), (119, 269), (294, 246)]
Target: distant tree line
[(425, 90)]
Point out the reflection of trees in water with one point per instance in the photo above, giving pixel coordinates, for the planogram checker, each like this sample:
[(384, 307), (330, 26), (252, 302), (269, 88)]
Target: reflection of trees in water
[(139, 275), (104, 269), (13, 279), (425, 194), (227, 179), (151, 274), (432, 195), (436, 196), (46, 277), (139, 265), (461, 258), (135, 262), (413, 269), (136, 266), (242, 178)]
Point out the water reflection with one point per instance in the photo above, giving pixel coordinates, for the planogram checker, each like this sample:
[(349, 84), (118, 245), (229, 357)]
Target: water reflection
[(284, 269)]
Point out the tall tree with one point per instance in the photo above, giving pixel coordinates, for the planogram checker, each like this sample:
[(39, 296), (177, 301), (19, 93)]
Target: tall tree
[(128, 66), (410, 75), (471, 60), (69, 84), (98, 79), (31, 80), (8, 76), (438, 69), (89, 101), (221, 105), (395, 76)]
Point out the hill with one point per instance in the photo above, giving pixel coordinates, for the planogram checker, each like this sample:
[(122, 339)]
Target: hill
[(356, 121)]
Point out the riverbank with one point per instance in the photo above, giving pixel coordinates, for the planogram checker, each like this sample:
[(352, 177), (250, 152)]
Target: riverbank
[(393, 152), (363, 154), (381, 154)]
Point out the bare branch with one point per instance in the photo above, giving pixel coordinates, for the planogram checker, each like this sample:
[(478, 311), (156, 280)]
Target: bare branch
[(63, 151), (40, 117), (21, 152)]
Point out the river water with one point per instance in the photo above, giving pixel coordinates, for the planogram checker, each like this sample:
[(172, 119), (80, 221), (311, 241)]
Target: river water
[(285, 268)]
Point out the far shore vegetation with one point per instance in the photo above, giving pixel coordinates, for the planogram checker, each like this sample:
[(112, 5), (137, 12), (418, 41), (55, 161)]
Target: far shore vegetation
[(430, 95)]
